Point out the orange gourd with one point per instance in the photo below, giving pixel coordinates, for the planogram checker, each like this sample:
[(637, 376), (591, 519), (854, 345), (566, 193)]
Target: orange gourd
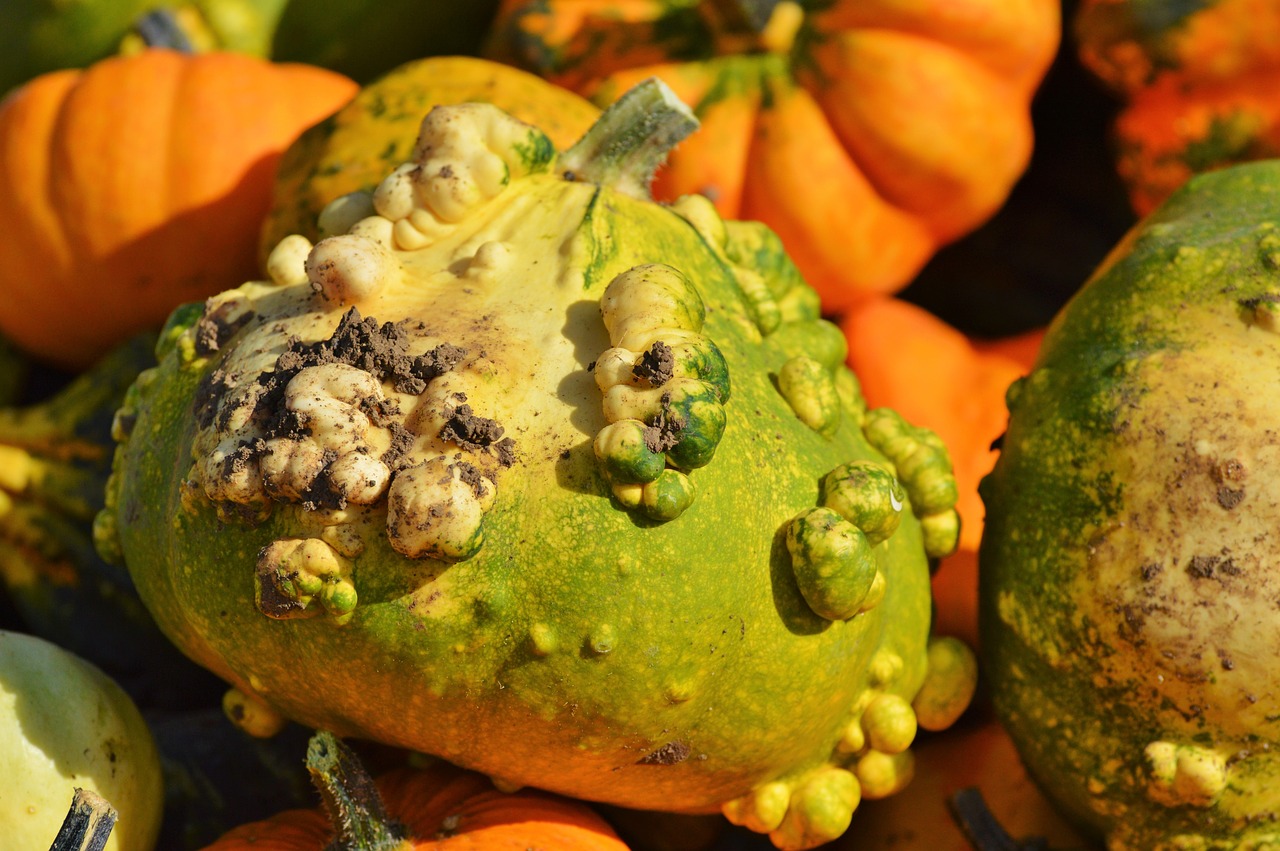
[(138, 184), (1200, 84), (436, 808), (866, 133), (910, 360)]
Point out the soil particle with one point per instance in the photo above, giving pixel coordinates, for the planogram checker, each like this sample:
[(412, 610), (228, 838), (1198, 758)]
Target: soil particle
[(380, 350), (246, 453), (379, 411), (1151, 571), (671, 753), (663, 431), (468, 475), (322, 494), (475, 433), (1203, 567), (214, 328), (656, 366), (401, 442), (213, 387), (1229, 498)]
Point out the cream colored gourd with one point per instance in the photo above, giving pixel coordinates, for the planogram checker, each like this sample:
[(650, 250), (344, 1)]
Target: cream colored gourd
[(65, 725)]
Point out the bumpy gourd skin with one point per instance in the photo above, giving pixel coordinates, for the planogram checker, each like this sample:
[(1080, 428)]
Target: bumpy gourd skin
[(1128, 580), (561, 603)]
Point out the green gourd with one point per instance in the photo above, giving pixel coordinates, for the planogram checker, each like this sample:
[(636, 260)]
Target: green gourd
[(529, 472), (1127, 582)]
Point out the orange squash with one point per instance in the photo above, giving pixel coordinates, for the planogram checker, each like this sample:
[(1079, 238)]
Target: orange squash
[(437, 808), (866, 133), (910, 360), (1200, 83), (138, 184)]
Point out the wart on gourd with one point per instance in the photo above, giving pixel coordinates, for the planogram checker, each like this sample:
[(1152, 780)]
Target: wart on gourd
[(376, 457)]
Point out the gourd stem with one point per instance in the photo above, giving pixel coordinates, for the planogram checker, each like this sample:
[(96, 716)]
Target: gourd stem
[(161, 28), (88, 823), (350, 798), (631, 139), (981, 828)]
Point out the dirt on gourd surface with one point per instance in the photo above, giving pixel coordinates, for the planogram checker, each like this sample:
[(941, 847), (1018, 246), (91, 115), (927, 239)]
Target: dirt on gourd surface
[(1008, 276)]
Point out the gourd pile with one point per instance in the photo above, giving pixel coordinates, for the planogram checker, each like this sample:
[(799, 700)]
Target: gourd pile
[(697, 425)]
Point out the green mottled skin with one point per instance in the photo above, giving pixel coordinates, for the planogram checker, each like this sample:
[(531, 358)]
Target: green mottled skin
[(708, 641), (1101, 631)]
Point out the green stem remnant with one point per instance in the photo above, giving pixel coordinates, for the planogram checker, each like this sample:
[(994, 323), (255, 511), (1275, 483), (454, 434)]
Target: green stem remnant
[(350, 798), (631, 139), (88, 824)]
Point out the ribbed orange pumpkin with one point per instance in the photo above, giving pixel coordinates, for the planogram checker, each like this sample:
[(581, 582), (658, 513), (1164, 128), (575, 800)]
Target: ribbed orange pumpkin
[(138, 184), (1200, 81), (866, 133)]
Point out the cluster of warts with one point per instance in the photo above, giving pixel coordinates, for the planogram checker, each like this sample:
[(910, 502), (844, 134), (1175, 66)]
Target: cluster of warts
[(664, 385), (316, 428)]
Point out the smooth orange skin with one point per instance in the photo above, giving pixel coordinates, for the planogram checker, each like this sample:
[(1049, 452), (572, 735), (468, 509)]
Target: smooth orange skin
[(138, 184), (422, 800), (896, 126), (908, 359)]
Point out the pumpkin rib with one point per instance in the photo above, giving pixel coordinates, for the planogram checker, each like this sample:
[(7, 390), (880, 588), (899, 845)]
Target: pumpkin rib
[(839, 220), (925, 161), (938, 119), (1015, 40), (155, 175), (27, 123)]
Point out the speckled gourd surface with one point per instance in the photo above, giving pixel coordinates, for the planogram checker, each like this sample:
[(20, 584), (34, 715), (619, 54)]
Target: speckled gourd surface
[(1128, 582), (532, 473)]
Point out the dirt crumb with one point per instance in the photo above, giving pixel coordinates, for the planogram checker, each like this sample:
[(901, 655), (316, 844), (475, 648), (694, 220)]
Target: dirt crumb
[(475, 433), (212, 388), (215, 328), (656, 366), (1229, 498), (663, 431), (672, 753), (361, 342)]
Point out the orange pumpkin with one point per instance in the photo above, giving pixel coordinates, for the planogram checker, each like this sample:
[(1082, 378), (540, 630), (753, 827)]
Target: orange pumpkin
[(437, 808), (909, 360), (866, 133), (1200, 83), (138, 184)]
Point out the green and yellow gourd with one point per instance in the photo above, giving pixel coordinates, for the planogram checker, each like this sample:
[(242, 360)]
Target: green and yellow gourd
[(1128, 579), (531, 473)]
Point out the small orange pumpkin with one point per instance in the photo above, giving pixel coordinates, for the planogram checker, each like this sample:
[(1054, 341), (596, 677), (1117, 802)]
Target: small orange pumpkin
[(1200, 83), (910, 360), (138, 184), (436, 808), (866, 133)]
